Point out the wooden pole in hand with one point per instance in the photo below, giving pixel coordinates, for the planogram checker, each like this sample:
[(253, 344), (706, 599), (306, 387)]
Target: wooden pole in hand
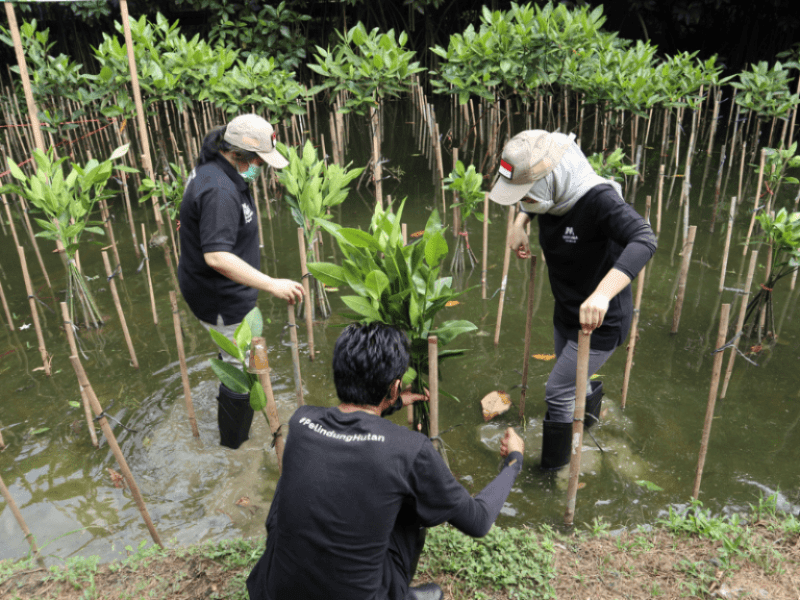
[(301, 240), (187, 389), (506, 261), (712, 396), (21, 521), (115, 449), (581, 377), (259, 364), (121, 313), (73, 348), (527, 353), (687, 257), (298, 380)]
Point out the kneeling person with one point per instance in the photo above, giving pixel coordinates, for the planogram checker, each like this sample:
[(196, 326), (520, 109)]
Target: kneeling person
[(357, 491)]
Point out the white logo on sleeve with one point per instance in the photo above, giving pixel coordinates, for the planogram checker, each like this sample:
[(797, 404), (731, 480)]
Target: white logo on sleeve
[(569, 236), (248, 213)]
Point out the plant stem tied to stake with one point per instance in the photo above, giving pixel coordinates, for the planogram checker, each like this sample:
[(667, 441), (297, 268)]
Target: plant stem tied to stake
[(259, 364)]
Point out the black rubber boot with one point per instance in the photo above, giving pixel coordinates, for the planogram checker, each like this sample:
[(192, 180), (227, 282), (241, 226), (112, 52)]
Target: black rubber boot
[(427, 591), (594, 401), (234, 417), (556, 444)]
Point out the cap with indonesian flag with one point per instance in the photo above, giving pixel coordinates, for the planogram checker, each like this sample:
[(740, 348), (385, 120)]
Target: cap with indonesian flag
[(251, 132), (527, 157)]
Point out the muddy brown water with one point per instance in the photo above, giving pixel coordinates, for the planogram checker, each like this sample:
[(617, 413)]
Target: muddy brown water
[(193, 488)]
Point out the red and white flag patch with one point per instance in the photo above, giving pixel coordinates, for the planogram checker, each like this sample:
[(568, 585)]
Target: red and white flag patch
[(506, 170)]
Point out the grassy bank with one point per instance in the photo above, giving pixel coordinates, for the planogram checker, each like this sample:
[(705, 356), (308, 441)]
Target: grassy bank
[(689, 554)]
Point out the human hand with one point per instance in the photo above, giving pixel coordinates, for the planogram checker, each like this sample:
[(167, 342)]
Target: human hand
[(408, 397), (593, 311), (286, 289), (518, 241), (511, 442)]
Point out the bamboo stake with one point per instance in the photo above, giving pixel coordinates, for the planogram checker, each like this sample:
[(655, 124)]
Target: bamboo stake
[(758, 197), (113, 287), (527, 352), (187, 389), (377, 168), (727, 245), (46, 359), (485, 257), (21, 521), (83, 381), (5, 308), (740, 321), (301, 239), (659, 195), (581, 377), (33, 111), (149, 278), (259, 364), (712, 397), (106, 216), (73, 348), (687, 257), (626, 378), (506, 260), (298, 381)]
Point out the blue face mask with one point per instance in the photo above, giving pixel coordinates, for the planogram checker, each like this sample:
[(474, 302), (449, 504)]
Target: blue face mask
[(251, 173)]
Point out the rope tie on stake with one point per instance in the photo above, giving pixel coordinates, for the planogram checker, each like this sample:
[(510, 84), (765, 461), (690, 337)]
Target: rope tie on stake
[(114, 273), (107, 416)]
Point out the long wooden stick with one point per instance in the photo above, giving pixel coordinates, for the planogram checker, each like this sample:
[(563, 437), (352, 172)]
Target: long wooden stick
[(21, 521), (581, 377), (115, 449), (149, 278), (121, 313), (727, 248), (259, 364), (485, 258), (659, 196), (527, 352), (298, 380), (187, 389), (712, 397), (301, 240), (34, 313), (506, 261), (5, 308), (626, 378), (73, 348), (758, 197), (687, 257), (740, 321)]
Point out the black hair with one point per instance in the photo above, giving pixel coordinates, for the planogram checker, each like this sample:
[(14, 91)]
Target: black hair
[(366, 360), (214, 143)]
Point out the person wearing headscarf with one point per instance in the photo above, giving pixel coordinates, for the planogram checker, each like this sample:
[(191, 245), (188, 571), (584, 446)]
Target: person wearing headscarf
[(594, 244), (219, 269)]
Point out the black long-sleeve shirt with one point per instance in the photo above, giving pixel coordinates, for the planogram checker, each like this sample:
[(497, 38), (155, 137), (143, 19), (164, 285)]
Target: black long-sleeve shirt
[(600, 232), (350, 482)]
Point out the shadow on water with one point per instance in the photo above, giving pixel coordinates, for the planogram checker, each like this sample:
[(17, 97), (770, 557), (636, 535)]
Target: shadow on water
[(196, 489)]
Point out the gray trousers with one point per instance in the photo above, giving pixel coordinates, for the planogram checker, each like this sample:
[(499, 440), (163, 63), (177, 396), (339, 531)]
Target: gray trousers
[(560, 391)]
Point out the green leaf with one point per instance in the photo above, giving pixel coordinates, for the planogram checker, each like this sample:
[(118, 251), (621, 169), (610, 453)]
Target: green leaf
[(362, 306), (449, 330), (435, 249), (243, 336), (225, 344), (231, 377), (649, 485), (329, 274), (256, 322), (258, 399)]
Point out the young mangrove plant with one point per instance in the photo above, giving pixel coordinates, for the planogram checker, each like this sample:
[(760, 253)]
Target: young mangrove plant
[(314, 188), (67, 204), (397, 285), (241, 381), (466, 184), (611, 166)]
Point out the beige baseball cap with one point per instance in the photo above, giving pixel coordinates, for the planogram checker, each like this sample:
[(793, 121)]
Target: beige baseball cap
[(251, 132), (527, 157)]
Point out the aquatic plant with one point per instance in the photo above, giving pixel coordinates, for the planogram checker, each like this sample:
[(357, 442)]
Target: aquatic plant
[(397, 285), (314, 188), (466, 183), (611, 166), (67, 204)]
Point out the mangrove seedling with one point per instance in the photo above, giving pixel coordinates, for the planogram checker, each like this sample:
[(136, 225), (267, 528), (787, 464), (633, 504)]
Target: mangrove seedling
[(466, 184), (240, 380), (67, 204), (397, 285), (612, 166), (313, 189)]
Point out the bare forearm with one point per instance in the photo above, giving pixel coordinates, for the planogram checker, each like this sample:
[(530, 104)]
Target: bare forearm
[(234, 268), (612, 284)]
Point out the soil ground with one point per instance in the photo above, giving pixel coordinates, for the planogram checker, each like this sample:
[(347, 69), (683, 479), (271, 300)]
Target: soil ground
[(654, 564)]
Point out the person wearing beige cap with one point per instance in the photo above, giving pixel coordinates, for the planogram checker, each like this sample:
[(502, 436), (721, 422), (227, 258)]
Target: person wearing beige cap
[(594, 244), (219, 269)]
